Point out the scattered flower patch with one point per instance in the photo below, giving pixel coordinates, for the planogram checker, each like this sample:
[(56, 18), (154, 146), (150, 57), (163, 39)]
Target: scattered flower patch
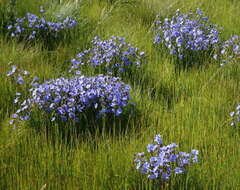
[(235, 116), (160, 161), (229, 51), (114, 55), (21, 76), (186, 33)]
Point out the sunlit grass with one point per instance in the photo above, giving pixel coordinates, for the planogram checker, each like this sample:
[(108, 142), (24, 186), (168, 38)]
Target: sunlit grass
[(190, 108)]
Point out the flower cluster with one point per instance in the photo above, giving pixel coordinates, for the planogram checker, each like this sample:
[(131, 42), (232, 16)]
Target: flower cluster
[(186, 33), (17, 74), (21, 76), (23, 79), (32, 27), (162, 161), (66, 98), (115, 55), (229, 51), (235, 116)]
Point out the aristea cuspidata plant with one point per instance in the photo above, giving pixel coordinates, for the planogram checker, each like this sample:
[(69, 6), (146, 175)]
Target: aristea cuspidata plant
[(184, 34), (32, 27), (67, 98), (161, 162), (114, 56)]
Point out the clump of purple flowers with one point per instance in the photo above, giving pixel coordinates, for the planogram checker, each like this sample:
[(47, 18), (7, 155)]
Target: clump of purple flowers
[(186, 33), (66, 99), (235, 116), (114, 55), (32, 27), (160, 161), (229, 51)]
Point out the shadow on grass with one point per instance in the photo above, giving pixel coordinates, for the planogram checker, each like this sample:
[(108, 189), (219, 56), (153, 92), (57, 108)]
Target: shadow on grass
[(197, 60), (159, 91), (88, 126), (182, 182)]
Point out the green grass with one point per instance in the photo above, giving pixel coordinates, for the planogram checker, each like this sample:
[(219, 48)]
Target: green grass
[(190, 108)]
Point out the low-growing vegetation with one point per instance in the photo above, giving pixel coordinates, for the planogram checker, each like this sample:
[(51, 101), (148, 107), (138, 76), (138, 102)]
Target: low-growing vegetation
[(85, 85)]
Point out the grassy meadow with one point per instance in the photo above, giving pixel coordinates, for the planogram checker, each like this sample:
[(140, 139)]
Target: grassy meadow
[(189, 107)]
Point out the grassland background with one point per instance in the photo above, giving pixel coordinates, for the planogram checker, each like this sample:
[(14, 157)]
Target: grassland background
[(190, 108)]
